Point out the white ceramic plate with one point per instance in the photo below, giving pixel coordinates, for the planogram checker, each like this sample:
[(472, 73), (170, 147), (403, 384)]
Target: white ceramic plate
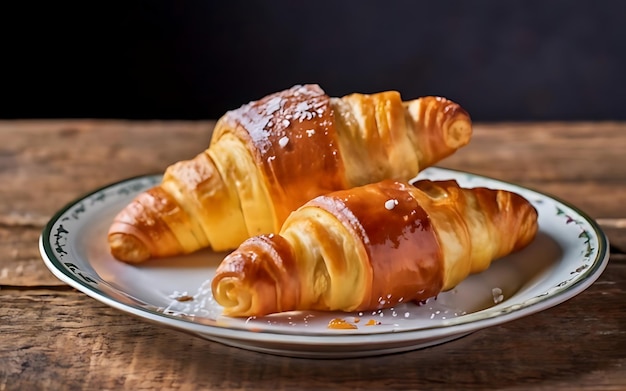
[(568, 255)]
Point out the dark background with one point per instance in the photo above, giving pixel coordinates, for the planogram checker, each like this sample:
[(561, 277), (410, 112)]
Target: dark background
[(502, 60)]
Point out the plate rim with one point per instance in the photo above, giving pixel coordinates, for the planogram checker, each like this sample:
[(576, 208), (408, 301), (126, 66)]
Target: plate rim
[(586, 279)]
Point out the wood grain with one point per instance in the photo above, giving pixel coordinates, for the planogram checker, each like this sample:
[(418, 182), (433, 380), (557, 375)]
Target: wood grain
[(46, 164), (53, 337), (20, 262), (561, 152)]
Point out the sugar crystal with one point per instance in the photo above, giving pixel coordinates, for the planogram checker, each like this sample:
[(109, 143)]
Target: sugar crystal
[(283, 141)]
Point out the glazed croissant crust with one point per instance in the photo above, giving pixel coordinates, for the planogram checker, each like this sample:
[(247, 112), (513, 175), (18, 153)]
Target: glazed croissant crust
[(271, 156), (372, 247)]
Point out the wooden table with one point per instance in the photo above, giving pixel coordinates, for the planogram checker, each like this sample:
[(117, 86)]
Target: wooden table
[(54, 337)]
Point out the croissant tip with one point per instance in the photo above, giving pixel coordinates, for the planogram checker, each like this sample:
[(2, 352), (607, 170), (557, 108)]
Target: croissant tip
[(128, 248), (459, 133)]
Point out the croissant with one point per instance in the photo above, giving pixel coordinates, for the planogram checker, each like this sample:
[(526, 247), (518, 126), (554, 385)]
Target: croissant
[(372, 247), (270, 156)]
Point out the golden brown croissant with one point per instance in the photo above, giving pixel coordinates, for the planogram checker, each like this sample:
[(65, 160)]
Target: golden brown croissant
[(270, 156), (372, 247)]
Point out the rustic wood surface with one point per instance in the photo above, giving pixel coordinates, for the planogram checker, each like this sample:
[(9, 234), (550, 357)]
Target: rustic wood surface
[(54, 337)]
